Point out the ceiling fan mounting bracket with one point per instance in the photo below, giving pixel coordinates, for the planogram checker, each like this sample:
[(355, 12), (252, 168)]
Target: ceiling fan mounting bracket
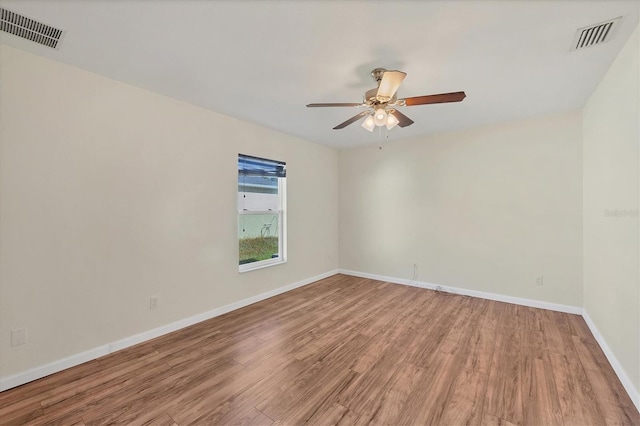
[(377, 74)]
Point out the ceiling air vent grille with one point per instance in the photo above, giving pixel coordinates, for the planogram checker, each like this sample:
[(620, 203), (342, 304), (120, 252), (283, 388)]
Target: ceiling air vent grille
[(595, 34), (24, 27)]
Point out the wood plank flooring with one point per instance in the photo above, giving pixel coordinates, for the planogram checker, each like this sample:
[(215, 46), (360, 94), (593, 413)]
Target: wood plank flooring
[(347, 351)]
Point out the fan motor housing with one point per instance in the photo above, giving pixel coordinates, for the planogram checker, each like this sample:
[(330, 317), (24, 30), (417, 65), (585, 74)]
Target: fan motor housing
[(370, 98)]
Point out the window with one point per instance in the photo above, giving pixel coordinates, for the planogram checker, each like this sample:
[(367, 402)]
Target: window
[(261, 212)]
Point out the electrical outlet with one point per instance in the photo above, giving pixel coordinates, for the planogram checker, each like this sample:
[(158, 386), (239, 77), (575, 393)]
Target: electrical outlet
[(18, 336), (540, 280), (153, 302)]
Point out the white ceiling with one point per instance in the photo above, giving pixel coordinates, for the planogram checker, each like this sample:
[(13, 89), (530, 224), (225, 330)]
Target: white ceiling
[(263, 61)]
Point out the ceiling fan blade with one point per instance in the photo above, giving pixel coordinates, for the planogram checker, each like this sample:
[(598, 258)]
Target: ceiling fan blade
[(389, 84), (334, 105), (403, 120), (435, 99), (351, 120)]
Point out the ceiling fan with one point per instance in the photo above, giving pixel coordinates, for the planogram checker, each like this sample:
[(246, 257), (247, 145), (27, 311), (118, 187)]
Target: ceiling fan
[(381, 102)]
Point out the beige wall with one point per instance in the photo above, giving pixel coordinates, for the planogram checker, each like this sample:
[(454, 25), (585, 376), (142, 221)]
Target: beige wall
[(487, 209), (110, 194), (611, 253)]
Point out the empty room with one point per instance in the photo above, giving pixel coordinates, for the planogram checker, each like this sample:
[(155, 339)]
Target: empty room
[(271, 212)]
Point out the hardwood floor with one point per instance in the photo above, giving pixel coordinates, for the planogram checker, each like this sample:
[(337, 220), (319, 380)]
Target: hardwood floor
[(345, 350)]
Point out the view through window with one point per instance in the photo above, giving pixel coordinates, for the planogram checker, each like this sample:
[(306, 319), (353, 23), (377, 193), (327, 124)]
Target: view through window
[(261, 212)]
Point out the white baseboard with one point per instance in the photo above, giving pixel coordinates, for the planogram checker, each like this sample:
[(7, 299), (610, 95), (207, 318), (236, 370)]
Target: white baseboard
[(617, 367), (77, 359), (474, 293)]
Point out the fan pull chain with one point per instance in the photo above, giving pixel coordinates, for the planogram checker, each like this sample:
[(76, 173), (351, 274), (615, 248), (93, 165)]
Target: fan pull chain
[(386, 138)]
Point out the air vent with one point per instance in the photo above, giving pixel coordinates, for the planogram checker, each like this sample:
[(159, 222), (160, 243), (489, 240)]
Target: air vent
[(595, 34), (24, 27)]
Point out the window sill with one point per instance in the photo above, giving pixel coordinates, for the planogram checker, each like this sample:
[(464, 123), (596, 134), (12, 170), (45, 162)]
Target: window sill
[(260, 265)]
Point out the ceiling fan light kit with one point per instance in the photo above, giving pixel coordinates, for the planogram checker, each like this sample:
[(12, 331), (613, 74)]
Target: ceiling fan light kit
[(392, 121), (380, 117), (380, 101), (369, 124)]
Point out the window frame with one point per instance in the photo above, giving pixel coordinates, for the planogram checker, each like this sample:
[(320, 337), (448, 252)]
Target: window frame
[(282, 225)]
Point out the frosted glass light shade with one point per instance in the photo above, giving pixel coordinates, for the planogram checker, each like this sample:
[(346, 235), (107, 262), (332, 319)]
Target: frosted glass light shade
[(368, 123), (380, 117), (392, 121)]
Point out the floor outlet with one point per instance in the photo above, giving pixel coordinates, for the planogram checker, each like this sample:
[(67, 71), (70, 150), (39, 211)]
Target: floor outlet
[(18, 336)]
